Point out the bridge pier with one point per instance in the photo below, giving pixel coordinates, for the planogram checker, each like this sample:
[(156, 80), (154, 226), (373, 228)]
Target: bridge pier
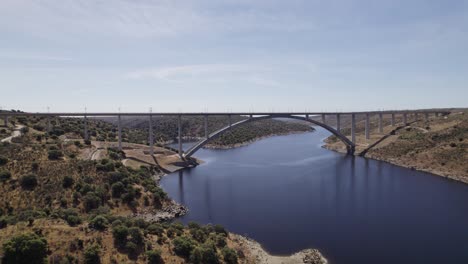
[(367, 126), (307, 116), (151, 140), (338, 123), (230, 120), (405, 119), (6, 121), (86, 137), (380, 123), (49, 127), (323, 119), (353, 128), (393, 119), (120, 132), (206, 126), (179, 122)]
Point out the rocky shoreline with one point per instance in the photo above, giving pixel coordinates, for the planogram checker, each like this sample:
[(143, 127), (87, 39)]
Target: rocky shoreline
[(401, 163)]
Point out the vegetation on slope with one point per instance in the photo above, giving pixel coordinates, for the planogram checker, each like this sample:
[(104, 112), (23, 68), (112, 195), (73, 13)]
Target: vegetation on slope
[(57, 208)]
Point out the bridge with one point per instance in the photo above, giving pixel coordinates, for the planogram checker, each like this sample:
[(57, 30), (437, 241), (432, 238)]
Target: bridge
[(310, 117)]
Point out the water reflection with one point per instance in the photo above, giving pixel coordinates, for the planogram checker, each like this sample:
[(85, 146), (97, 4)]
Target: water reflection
[(290, 195)]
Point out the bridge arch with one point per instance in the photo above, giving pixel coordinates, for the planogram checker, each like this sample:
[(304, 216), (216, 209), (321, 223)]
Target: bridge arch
[(349, 145)]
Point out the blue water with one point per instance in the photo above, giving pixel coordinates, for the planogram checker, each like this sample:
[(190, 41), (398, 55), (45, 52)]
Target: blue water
[(289, 194)]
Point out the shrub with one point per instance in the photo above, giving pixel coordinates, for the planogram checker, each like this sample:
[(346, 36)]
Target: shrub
[(120, 234), (91, 254), (99, 223), (3, 222), (229, 255), (55, 154), (154, 257), (131, 247), (68, 182), (198, 235), (219, 229), (204, 254), (183, 246), (28, 181), (117, 189), (135, 235), (25, 249), (87, 142), (3, 160), (155, 229), (71, 216), (4, 175), (91, 201)]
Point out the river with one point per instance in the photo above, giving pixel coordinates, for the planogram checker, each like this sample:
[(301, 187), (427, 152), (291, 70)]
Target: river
[(288, 193)]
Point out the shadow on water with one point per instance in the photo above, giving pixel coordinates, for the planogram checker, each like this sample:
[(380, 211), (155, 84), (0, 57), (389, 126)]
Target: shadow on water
[(289, 194)]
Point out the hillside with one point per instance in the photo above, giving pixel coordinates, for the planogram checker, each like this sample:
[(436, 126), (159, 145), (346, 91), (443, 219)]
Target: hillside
[(438, 146), (66, 200), (135, 129)]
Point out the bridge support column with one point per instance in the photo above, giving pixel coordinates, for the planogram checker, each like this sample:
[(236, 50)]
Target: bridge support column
[(353, 128), (206, 126), (6, 121), (179, 122), (393, 119), (367, 126), (120, 132), (338, 123), (49, 127), (405, 119), (324, 121), (86, 136), (151, 140), (380, 123), (230, 120)]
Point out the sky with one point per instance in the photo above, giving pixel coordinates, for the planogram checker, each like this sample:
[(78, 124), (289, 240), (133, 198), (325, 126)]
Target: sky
[(232, 55)]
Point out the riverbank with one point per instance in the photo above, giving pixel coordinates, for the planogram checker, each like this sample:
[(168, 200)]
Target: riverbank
[(246, 143), (437, 146)]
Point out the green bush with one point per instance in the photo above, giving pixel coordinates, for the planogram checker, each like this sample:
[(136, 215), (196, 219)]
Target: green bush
[(120, 234), (155, 229), (91, 201), (204, 254), (91, 254), (71, 216), (3, 222), (183, 246), (3, 160), (99, 223), (4, 175), (131, 247), (135, 235), (229, 255), (28, 181), (68, 182), (25, 249), (55, 154), (117, 189), (154, 257)]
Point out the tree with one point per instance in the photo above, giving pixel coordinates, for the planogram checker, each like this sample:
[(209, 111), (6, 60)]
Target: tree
[(3, 160), (204, 254), (99, 223), (55, 154), (229, 255), (154, 256), (4, 175), (28, 181), (117, 189), (120, 234), (91, 254), (67, 182), (25, 249), (183, 246), (91, 201)]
